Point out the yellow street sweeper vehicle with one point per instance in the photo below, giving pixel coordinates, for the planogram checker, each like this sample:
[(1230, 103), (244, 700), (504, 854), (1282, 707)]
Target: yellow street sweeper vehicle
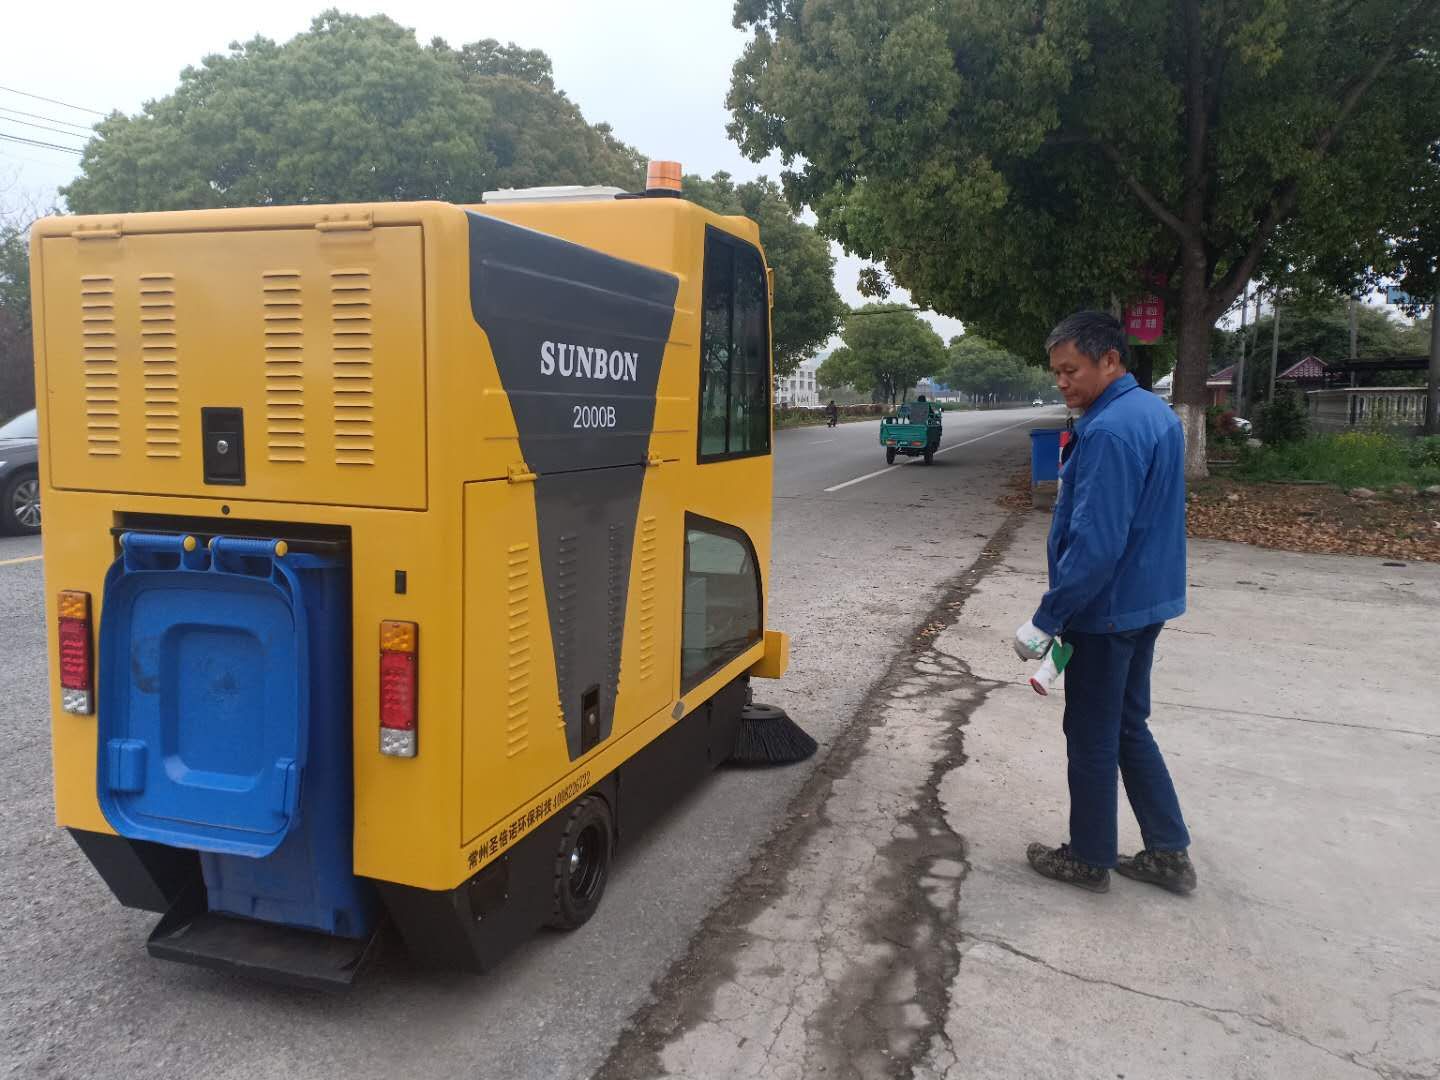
[(401, 559)]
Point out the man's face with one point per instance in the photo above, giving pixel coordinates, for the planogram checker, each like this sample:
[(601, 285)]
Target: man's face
[(1079, 379)]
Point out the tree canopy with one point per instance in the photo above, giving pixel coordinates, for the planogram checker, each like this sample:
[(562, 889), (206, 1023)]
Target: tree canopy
[(1010, 162), (17, 363), (984, 371), (1322, 329), (807, 307), (353, 109), (888, 349)]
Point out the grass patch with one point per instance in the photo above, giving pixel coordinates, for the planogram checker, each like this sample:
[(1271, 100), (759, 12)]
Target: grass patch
[(1353, 459)]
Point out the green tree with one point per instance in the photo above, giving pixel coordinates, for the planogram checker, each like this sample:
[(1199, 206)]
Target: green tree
[(1009, 162), (17, 363), (535, 133), (354, 109), (888, 349), (1418, 254), (807, 307), (982, 370), (1323, 330)]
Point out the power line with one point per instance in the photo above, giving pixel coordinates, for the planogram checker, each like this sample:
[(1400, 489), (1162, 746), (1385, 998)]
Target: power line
[(41, 145), (87, 128), (52, 101), (42, 127)]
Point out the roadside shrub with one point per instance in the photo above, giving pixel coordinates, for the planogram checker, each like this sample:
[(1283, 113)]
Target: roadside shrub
[(1220, 425), (1283, 420), (1353, 459), (1424, 455)]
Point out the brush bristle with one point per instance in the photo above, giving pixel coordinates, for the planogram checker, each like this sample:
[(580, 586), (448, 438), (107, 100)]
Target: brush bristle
[(772, 739)]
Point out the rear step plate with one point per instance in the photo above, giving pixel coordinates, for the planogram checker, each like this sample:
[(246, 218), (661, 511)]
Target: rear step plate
[(256, 950)]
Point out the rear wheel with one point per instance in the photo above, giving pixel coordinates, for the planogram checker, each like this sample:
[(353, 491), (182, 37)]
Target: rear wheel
[(20, 504), (929, 455), (582, 865), (889, 455)]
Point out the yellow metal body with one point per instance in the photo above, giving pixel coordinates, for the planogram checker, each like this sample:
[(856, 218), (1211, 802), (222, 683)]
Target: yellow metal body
[(346, 333)]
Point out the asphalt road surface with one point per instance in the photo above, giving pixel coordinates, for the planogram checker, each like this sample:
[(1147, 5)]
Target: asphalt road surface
[(860, 552)]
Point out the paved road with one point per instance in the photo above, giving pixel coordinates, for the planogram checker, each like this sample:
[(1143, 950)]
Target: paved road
[(858, 560)]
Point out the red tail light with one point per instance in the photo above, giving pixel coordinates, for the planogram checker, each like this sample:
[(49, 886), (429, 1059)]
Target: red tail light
[(399, 659), (76, 667)]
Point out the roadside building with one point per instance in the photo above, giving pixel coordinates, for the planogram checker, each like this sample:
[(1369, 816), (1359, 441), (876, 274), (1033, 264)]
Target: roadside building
[(798, 388)]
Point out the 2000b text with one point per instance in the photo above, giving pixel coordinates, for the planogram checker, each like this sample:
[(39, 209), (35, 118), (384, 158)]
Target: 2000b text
[(594, 416)]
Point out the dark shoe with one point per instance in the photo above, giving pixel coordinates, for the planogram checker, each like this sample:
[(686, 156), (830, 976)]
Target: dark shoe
[(1060, 865), (1169, 869)]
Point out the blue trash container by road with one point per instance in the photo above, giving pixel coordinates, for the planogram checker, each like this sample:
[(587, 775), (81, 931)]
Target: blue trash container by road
[(1044, 455)]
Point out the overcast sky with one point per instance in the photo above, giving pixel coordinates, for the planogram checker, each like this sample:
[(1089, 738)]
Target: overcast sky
[(657, 71)]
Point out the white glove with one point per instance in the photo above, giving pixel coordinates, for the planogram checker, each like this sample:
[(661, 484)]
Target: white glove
[(1031, 643)]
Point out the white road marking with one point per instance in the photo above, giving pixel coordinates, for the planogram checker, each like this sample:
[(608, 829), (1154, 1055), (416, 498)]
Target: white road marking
[(942, 450), (17, 562)]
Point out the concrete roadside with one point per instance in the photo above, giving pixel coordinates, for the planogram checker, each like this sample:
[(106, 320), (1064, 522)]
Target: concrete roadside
[(893, 928), (1298, 705)]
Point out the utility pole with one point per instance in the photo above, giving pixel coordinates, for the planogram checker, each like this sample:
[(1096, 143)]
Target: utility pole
[(1352, 328), (1432, 396), (1240, 370), (1274, 343)]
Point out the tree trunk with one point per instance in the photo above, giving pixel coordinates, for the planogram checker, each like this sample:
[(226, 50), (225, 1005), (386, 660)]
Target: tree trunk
[(1192, 364), (1144, 366)]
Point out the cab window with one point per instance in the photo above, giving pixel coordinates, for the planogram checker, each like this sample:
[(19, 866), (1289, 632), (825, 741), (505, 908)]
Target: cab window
[(734, 351)]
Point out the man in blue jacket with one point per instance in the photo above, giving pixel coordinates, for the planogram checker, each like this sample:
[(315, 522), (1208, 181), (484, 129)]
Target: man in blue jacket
[(1117, 572)]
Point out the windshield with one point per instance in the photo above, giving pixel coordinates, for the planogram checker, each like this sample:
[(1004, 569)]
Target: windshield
[(22, 427)]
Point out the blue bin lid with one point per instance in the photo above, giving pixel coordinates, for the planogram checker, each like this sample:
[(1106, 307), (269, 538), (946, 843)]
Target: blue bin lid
[(203, 695)]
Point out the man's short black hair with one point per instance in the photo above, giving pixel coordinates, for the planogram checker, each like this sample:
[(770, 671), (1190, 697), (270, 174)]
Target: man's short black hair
[(1094, 333)]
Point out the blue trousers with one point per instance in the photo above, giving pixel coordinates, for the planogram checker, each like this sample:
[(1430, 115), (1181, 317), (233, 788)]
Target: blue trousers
[(1107, 701)]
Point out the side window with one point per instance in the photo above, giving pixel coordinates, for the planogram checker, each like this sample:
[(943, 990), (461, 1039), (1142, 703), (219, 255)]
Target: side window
[(734, 351), (722, 599)]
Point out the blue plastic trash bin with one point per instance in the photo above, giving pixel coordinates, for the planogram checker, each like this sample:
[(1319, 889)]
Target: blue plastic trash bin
[(225, 722), (1044, 455)]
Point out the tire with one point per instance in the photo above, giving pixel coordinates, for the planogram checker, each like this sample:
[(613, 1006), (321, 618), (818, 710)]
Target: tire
[(929, 455), (889, 455), (582, 865), (20, 504)]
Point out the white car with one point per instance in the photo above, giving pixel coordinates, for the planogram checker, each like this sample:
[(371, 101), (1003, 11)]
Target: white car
[(1037, 401)]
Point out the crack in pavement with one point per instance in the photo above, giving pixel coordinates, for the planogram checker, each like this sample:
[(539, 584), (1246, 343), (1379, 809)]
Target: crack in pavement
[(1258, 1019), (868, 1021)]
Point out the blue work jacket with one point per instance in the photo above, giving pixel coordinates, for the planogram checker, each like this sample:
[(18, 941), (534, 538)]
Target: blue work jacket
[(1117, 544)]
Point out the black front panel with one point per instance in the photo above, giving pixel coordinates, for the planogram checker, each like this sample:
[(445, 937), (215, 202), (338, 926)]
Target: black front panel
[(587, 538), (578, 338)]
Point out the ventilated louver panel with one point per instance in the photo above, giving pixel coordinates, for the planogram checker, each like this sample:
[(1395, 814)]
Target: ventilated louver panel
[(645, 620), (517, 659), (100, 357), (284, 367), (352, 367), (160, 365)]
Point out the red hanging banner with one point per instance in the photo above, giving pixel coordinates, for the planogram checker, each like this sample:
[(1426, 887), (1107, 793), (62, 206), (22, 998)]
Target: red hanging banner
[(1145, 320)]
